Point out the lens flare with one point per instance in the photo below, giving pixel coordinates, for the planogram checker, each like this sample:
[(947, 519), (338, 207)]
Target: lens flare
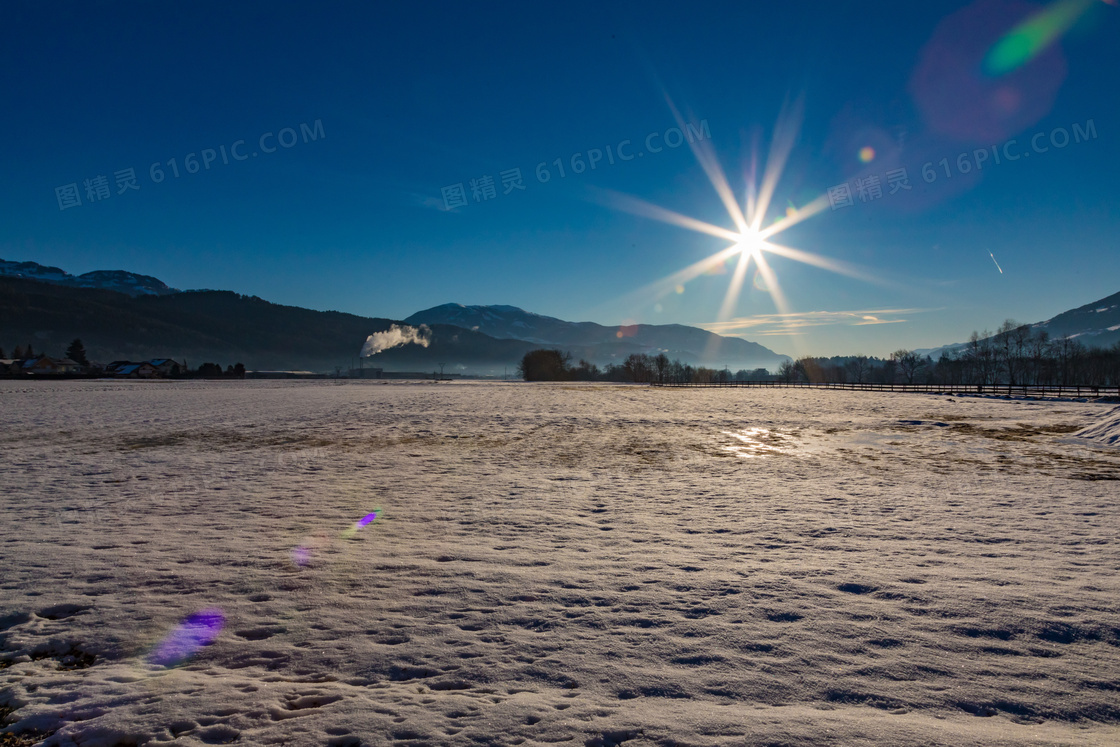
[(196, 631), (866, 154), (301, 555), (972, 82), (362, 523), (1031, 37)]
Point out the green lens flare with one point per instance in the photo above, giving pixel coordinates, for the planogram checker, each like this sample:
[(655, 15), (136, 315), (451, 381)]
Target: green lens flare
[(1033, 36)]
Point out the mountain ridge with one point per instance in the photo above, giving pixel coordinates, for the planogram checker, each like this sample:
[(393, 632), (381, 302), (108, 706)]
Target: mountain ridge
[(501, 332), (1095, 324), (227, 327), (122, 281), (601, 343)]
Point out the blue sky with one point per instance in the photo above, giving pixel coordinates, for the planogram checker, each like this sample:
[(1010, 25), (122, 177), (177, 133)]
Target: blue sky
[(398, 103)]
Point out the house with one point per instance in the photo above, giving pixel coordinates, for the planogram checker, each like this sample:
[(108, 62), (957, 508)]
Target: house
[(167, 367), (39, 366), (66, 365), (9, 366), (135, 371)]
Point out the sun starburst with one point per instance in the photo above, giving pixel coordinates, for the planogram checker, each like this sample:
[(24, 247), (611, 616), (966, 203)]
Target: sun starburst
[(751, 242)]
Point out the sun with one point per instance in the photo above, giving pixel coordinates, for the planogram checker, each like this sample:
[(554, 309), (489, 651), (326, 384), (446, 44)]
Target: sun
[(750, 245), (751, 241)]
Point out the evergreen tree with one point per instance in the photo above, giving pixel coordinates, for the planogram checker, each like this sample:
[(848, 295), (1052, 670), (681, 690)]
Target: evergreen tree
[(77, 352), (29, 353), (2, 353), (18, 353)]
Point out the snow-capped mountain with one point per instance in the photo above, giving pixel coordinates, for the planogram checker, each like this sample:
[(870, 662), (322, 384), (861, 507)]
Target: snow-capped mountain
[(601, 343), (1094, 325), (121, 281)]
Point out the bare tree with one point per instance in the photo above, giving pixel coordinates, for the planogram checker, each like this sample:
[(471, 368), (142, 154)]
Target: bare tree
[(1038, 350), (638, 367), (908, 363), (788, 372), (857, 368)]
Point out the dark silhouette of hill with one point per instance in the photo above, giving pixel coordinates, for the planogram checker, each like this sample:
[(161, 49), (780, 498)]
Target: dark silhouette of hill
[(226, 327), (604, 344)]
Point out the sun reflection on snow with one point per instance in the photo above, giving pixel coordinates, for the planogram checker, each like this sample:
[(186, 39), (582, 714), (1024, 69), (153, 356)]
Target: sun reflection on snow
[(754, 443)]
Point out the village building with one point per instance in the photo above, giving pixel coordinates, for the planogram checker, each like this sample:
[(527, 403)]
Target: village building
[(167, 367), (143, 370)]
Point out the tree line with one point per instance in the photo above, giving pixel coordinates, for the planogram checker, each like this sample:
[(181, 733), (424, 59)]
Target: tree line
[(75, 352), (554, 365), (1016, 354)]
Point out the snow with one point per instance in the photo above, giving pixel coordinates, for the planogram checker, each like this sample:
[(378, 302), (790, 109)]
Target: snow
[(560, 563), (1105, 431)]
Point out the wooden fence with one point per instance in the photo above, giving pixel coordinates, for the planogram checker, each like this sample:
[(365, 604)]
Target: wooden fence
[(1016, 390)]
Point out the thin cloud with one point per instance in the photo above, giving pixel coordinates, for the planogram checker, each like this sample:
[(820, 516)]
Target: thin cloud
[(416, 199), (796, 322)]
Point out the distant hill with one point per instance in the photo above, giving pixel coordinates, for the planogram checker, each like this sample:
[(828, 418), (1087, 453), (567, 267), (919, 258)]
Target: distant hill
[(604, 344), (226, 328), (116, 280), (1094, 325)]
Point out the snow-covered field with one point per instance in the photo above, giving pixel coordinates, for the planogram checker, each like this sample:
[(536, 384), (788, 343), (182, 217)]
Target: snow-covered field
[(559, 564)]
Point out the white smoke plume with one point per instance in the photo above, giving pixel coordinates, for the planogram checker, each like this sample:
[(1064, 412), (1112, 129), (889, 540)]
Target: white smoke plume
[(395, 336)]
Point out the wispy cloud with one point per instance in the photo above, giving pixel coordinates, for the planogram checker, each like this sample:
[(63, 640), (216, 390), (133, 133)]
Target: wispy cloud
[(795, 323), (415, 199)]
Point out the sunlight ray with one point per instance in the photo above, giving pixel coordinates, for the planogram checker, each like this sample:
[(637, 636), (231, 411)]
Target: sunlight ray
[(752, 195), (816, 260), (772, 285), (802, 213), (706, 157), (731, 298), (696, 269), (644, 209), (785, 135)]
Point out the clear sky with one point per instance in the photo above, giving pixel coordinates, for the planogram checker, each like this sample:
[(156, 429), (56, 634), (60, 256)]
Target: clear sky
[(389, 107)]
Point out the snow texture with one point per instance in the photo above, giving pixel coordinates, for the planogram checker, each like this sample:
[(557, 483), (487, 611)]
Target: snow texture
[(1105, 431), (553, 564)]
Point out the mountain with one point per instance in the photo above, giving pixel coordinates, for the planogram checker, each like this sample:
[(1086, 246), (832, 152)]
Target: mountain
[(1094, 325), (115, 280), (225, 327), (604, 344)]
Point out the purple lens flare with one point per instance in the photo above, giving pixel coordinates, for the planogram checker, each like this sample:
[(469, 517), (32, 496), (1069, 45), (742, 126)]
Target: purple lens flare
[(197, 630)]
